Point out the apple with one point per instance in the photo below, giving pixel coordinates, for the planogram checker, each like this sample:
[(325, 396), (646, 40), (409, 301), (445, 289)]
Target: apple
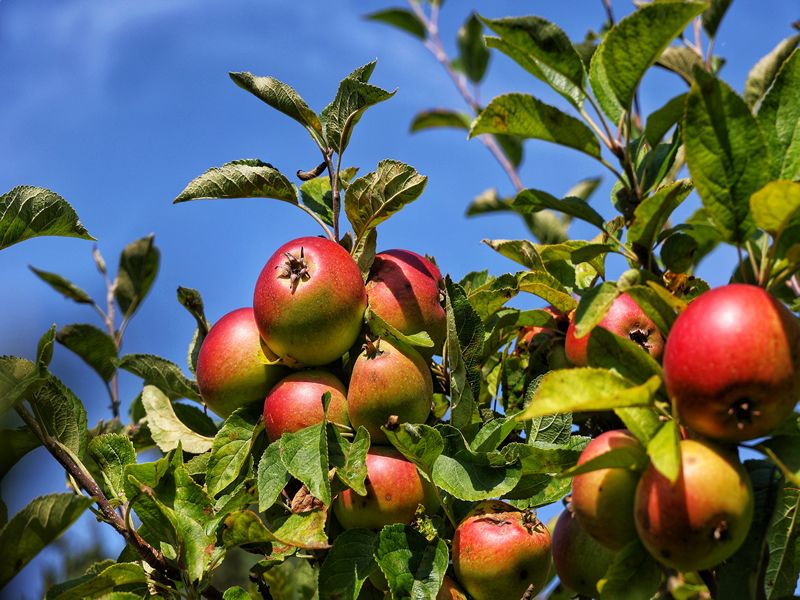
[(580, 561)]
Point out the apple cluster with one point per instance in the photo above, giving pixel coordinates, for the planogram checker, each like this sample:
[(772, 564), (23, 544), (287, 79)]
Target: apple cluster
[(305, 336), (732, 372)]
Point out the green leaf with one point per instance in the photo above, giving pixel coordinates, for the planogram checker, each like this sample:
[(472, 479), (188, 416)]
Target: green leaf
[(63, 286), (352, 99), (678, 252), (472, 50), (162, 373), (17, 377), (34, 527), (633, 574), (544, 50), (631, 47), (236, 593), (712, 16), (381, 328), (95, 347), (421, 444), (14, 444), (282, 98), (548, 288), (27, 212), (272, 476), (440, 117), (364, 252), (525, 116), (593, 307), (539, 458), (782, 539), (681, 61), (231, 448), (632, 458), (112, 452), (99, 585), (641, 422), (654, 211), (61, 414), (167, 430), (403, 19), (774, 205), (492, 434), (665, 452), (464, 348), (660, 121), (349, 459), (413, 566), (763, 73), (245, 527), (347, 566), (531, 200), (304, 530), (191, 300), (725, 153), (779, 117), (522, 252), (44, 348), (372, 199), (609, 351), (246, 178), (138, 267), (552, 429), (316, 195), (587, 389), (651, 299), (305, 456)]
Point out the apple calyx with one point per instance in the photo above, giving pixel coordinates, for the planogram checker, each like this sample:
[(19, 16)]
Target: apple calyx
[(372, 348), (294, 269), (642, 337), (743, 411)]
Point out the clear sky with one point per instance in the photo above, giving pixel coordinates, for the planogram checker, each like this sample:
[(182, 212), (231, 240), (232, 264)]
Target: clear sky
[(116, 105)]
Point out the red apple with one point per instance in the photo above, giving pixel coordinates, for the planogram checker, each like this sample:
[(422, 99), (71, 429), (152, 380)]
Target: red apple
[(602, 500), (579, 560), (296, 402), (404, 289), (732, 363), (704, 517), (231, 372), (626, 319)]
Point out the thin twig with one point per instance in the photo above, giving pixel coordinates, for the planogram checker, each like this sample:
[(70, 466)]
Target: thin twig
[(336, 200), (609, 12), (116, 337)]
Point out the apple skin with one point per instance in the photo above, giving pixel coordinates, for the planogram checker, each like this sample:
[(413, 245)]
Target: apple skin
[(733, 351), (528, 335), (498, 551), (403, 289), (394, 491), (230, 370), (704, 517), (624, 318), (580, 561), (296, 402), (450, 591), (316, 319), (603, 500), (394, 381)]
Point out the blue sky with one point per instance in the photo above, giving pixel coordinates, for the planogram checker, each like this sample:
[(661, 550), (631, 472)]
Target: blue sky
[(117, 105)]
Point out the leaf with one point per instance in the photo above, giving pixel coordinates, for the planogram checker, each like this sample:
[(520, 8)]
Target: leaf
[(539, 458), (782, 539), (641, 422), (522, 252), (231, 448), (14, 444), (779, 117), (681, 61), (464, 348), (112, 452), (525, 116), (381, 328), (191, 300), (761, 76), (138, 267), (44, 348), (552, 429), (531, 200), (631, 47), (162, 373), (661, 120), (347, 566), (63, 286), (609, 351), (665, 452), (544, 50), (282, 98), (245, 527), (364, 252), (593, 307), (349, 459), (17, 376), (165, 427), (440, 117), (372, 199), (633, 574), (548, 288), (725, 153), (101, 584), (305, 530), (95, 347), (316, 195), (632, 458), (34, 527), (402, 19), (246, 178), (472, 50), (272, 476), (61, 414), (352, 99), (654, 211), (413, 566), (421, 444), (305, 456), (236, 593), (713, 15), (575, 390), (27, 212), (774, 205), (657, 303)]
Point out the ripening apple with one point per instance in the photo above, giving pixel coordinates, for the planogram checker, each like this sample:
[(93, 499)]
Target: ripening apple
[(580, 561)]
